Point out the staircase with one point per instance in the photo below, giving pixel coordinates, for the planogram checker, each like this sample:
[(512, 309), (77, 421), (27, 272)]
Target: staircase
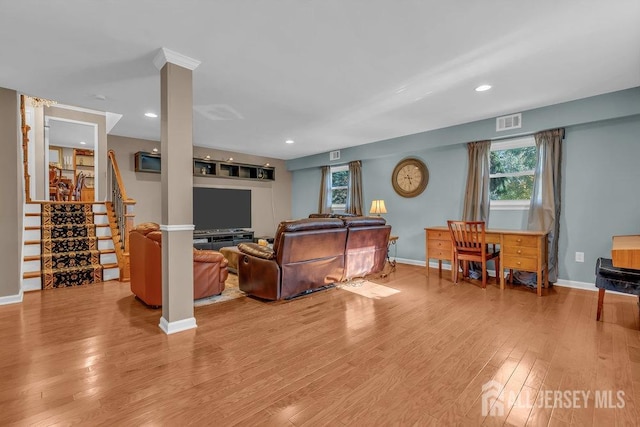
[(68, 248)]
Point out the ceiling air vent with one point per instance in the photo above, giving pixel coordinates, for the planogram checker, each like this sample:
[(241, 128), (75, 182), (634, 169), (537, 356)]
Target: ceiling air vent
[(218, 112), (513, 121), (334, 155)]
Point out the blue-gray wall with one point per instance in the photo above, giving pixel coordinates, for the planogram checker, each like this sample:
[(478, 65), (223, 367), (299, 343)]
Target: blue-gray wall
[(601, 177)]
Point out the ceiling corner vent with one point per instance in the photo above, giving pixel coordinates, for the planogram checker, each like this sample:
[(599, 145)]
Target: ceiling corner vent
[(513, 121), (334, 155)]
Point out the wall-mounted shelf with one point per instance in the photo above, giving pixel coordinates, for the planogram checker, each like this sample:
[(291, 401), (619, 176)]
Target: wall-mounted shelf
[(148, 162)]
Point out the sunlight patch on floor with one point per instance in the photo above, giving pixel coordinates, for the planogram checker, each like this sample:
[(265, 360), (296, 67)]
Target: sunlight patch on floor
[(367, 289)]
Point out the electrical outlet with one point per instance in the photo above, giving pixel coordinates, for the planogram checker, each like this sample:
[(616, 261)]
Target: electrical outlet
[(579, 256)]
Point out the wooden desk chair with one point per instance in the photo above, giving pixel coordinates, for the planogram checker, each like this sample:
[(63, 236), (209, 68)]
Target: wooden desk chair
[(59, 187), (468, 239), (77, 190)]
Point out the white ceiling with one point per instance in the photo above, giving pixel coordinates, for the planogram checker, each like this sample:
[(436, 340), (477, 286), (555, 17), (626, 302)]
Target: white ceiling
[(327, 73), (69, 134)]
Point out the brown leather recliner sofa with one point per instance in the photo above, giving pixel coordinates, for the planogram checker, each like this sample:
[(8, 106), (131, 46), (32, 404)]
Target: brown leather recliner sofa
[(311, 253), (145, 251), (366, 248)]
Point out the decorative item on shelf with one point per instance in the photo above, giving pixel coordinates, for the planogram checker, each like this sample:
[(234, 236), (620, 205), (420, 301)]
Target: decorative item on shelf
[(377, 207), (203, 171), (260, 174)]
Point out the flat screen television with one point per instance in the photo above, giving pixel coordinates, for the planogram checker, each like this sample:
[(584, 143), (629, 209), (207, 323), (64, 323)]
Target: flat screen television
[(221, 208)]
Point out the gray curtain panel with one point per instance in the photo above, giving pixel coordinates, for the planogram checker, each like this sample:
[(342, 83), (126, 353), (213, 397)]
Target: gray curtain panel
[(354, 195), (544, 210), (476, 197), (324, 202)]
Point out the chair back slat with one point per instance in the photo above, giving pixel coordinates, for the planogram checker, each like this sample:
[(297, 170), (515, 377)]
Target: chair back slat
[(467, 236)]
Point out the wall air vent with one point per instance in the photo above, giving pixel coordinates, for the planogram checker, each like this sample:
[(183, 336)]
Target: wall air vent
[(513, 121), (334, 155)]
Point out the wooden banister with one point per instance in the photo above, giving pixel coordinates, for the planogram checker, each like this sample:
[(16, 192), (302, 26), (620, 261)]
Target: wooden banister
[(25, 128), (112, 156), (120, 212)]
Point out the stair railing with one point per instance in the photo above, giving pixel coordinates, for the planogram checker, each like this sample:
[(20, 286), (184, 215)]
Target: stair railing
[(121, 214), (24, 128)]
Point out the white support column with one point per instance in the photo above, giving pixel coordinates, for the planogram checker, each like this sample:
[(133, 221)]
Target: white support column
[(176, 85)]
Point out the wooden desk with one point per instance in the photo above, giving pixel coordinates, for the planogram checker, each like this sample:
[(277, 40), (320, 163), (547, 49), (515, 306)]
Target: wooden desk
[(625, 252), (519, 250)]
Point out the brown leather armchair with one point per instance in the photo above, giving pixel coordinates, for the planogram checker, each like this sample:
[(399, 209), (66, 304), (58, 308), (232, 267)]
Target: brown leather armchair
[(209, 267), (307, 254)]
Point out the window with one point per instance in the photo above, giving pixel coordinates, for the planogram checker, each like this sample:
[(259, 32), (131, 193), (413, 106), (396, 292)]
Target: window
[(512, 167), (339, 187)]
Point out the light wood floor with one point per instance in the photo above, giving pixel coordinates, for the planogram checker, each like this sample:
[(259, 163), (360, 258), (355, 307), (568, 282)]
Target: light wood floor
[(95, 356)]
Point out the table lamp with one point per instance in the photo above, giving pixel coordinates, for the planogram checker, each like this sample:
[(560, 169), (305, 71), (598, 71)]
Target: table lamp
[(377, 207)]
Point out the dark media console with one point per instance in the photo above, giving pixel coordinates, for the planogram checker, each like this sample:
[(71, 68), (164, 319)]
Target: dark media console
[(216, 239)]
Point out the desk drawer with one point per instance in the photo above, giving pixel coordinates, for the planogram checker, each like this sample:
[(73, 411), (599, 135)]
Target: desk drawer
[(438, 235), (520, 263), (440, 254), (435, 245), (520, 251), (520, 240)]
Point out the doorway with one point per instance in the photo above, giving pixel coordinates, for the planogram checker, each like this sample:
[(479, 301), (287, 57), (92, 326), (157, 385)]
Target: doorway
[(70, 156)]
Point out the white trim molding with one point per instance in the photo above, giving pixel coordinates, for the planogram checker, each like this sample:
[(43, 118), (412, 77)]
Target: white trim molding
[(177, 227), (177, 326), (80, 109), (167, 55), (11, 299), (411, 261)]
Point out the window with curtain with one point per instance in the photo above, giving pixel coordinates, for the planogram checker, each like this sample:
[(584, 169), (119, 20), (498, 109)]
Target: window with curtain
[(339, 187), (512, 169)]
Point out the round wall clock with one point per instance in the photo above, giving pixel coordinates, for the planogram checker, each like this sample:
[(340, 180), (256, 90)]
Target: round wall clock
[(410, 177)]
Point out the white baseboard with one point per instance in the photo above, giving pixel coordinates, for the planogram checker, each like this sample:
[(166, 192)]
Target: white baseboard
[(588, 286), (177, 326), (11, 299), (410, 261), (585, 286), (576, 285)]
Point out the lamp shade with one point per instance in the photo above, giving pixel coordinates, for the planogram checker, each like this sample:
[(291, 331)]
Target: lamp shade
[(378, 207)]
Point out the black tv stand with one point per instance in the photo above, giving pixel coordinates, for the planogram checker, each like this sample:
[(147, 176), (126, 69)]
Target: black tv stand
[(217, 238)]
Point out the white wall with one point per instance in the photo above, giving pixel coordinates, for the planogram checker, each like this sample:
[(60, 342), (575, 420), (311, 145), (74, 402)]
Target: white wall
[(600, 178), (270, 200)]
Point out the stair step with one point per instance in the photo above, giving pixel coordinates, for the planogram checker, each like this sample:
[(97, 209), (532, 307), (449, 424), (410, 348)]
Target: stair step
[(37, 242), (31, 275), (38, 257), (32, 214), (111, 265), (37, 227)]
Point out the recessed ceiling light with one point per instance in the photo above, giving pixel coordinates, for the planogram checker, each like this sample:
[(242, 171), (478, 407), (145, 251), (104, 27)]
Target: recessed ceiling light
[(152, 115), (289, 141), (483, 88), (83, 143)]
